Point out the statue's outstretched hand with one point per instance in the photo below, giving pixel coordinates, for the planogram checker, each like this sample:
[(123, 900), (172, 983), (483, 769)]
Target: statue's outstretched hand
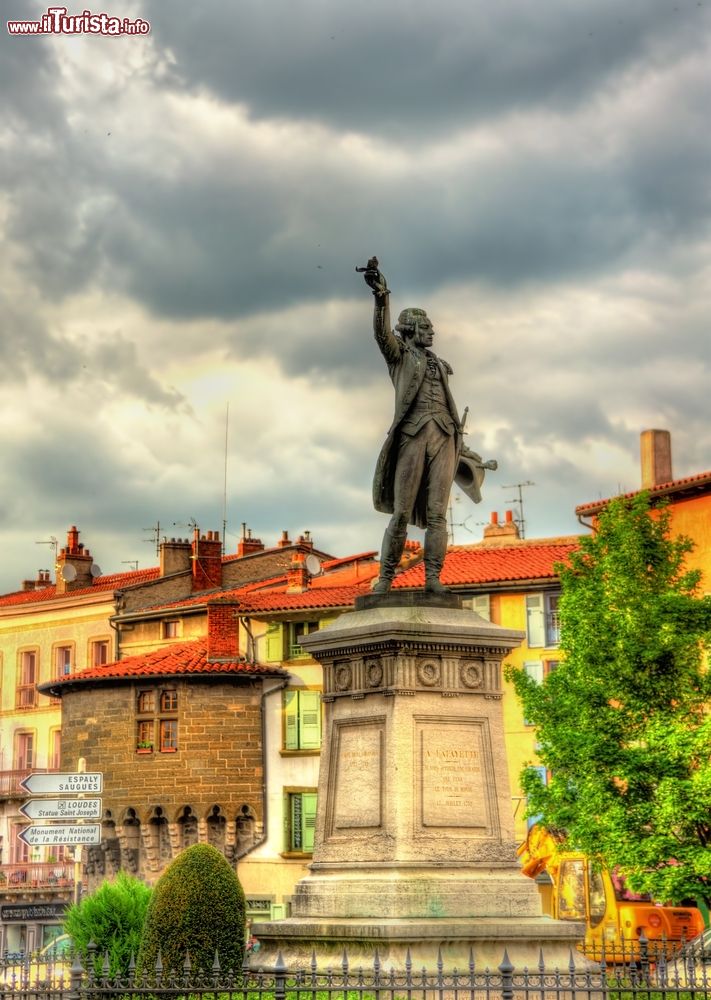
[(373, 277)]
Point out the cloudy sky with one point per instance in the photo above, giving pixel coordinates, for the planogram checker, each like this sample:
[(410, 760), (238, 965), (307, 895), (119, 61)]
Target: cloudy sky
[(182, 213)]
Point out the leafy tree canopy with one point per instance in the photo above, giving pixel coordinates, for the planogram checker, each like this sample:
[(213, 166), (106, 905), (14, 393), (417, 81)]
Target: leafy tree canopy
[(623, 724), (112, 918), (197, 910)]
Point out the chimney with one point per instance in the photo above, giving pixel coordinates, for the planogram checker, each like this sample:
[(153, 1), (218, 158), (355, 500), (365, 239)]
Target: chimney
[(43, 580), (305, 540), (284, 541), (207, 560), (297, 576), (74, 564), (222, 630), (655, 454), (175, 556), (501, 534), (247, 544)]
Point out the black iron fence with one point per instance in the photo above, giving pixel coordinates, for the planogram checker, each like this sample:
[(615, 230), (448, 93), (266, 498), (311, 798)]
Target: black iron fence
[(649, 973)]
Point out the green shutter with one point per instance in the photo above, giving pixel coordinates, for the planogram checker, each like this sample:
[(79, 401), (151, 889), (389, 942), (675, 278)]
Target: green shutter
[(290, 706), (308, 817), (275, 643), (309, 720)]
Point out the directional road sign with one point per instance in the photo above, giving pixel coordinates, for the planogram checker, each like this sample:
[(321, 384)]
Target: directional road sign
[(54, 783), (62, 809), (56, 836)]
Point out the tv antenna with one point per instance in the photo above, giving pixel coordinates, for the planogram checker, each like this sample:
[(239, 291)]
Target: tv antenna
[(53, 543), (155, 531), (518, 511), (456, 524)]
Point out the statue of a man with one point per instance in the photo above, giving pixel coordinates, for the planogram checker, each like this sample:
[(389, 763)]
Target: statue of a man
[(419, 460)]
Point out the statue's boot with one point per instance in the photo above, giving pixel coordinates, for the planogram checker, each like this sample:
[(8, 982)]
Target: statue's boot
[(393, 544), (435, 551)]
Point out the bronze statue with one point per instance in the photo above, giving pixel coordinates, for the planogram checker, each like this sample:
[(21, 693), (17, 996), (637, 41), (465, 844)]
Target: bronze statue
[(423, 452)]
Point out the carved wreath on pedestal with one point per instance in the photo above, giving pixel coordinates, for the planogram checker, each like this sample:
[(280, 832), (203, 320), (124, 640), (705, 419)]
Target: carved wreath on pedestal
[(471, 674), (429, 674), (342, 676)]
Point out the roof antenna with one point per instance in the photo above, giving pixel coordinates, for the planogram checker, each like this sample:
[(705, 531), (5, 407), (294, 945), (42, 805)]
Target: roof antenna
[(518, 511), (224, 494)]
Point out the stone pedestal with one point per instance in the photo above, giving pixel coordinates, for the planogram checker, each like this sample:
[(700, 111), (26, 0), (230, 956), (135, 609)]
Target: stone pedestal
[(414, 842)]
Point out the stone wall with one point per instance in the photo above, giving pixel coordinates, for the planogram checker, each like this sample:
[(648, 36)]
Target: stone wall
[(155, 803)]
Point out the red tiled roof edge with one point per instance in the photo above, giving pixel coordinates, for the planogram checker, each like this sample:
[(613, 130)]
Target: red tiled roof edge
[(663, 489), (175, 660)]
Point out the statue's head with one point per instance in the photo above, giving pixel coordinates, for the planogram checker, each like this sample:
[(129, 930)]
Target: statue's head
[(414, 324)]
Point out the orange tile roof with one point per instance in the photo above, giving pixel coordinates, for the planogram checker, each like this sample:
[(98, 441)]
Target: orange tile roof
[(174, 660), (688, 483), (100, 584), (309, 600), (476, 564)]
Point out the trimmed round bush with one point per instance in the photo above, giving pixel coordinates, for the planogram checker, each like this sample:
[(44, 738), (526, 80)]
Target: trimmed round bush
[(197, 908)]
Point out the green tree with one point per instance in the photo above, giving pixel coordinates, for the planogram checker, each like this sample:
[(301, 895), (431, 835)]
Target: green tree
[(112, 918), (197, 909), (623, 724)]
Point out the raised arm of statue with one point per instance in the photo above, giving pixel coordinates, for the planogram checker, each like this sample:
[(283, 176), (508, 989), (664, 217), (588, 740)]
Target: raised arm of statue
[(375, 279)]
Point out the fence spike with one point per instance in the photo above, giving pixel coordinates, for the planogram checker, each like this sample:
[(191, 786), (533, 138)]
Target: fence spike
[(440, 960), (344, 962), (376, 962), (216, 962), (506, 965), (313, 962), (541, 961), (408, 961), (471, 961), (571, 962)]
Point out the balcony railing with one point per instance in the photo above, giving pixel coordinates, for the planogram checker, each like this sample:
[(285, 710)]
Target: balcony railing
[(36, 875), (10, 781)]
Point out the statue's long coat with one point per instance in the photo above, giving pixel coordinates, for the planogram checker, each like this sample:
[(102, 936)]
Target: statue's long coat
[(407, 367)]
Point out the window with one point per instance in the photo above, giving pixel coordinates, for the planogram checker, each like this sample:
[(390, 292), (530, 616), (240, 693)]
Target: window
[(26, 690), (542, 620), (25, 751), (62, 661), (99, 653), (297, 630), (156, 717), (537, 670), (543, 775), (168, 735), (55, 748), (571, 891), (300, 821), (302, 719), (171, 629), (146, 701)]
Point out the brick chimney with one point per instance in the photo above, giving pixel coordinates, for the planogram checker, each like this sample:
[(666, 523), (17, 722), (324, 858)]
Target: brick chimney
[(297, 576), (222, 629), (207, 560), (247, 544), (305, 540), (284, 541), (43, 580), (74, 564), (656, 459), (501, 534), (175, 556)]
